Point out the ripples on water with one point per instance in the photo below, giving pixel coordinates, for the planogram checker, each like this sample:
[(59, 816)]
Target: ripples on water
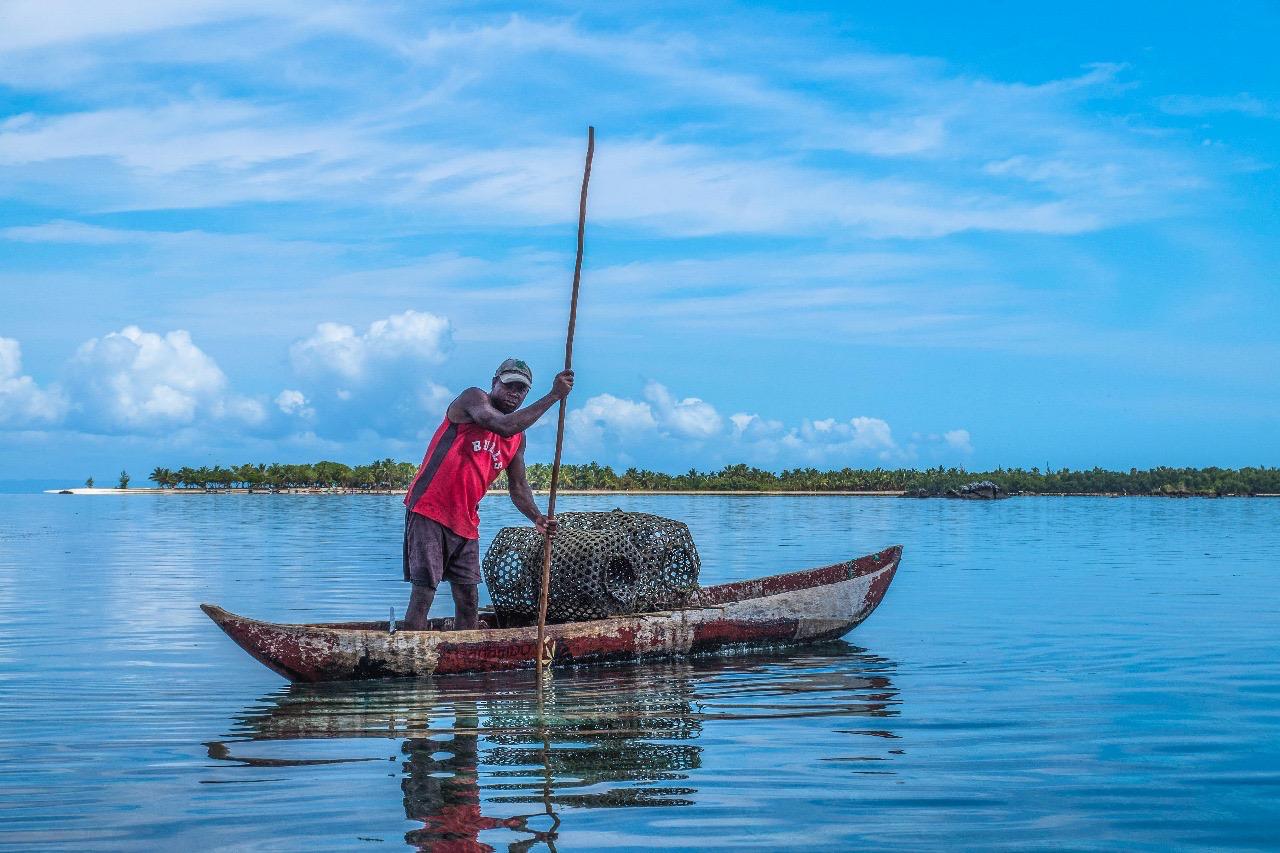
[(477, 758), (1056, 673)]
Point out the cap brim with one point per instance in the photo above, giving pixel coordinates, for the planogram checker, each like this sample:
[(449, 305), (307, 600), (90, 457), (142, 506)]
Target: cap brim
[(512, 376)]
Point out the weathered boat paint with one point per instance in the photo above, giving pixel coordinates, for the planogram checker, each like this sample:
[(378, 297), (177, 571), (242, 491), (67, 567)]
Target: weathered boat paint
[(798, 607)]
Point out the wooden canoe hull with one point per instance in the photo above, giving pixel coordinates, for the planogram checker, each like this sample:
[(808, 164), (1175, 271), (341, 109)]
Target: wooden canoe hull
[(799, 607)]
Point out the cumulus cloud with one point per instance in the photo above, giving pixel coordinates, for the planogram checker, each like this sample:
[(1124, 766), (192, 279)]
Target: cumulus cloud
[(332, 348), (23, 403), (674, 427), (374, 381), (606, 414), (142, 381), (606, 417), (689, 417), (336, 349), (755, 428), (243, 409), (293, 402), (821, 441), (941, 447), (958, 439), (831, 440), (432, 399)]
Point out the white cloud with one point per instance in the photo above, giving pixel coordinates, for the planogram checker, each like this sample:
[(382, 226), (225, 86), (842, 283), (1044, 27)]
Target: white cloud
[(830, 439), (64, 231), (1202, 105), (146, 382), (958, 439), (816, 441), (38, 23), (206, 154), (806, 136), (755, 428), (237, 408), (690, 417), (432, 398), (413, 333), (293, 402), (332, 348), (679, 428), (606, 419), (177, 248), (604, 414), (23, 403), (10, 358), (225, 135), (335, 349), (686, 189), (749, 174), (375, 382)]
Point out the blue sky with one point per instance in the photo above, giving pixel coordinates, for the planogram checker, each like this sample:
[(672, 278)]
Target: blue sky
[(819, 234)]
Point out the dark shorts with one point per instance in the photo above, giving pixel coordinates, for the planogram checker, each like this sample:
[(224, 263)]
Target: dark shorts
[(434, 553)]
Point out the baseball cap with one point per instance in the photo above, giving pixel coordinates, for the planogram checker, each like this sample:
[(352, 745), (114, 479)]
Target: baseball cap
[(515, 370)]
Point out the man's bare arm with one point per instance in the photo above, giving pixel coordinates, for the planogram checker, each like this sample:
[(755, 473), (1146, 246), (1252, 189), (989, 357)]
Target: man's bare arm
[(474, 406), (522, 493)]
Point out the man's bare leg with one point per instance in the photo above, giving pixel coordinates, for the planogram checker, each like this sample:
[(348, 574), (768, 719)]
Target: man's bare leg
[(415, 615), (466, 600)]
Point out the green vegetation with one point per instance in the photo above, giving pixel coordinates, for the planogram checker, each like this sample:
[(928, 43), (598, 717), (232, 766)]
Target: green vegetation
[(88, 483), (387, 474), (383, 474), (743, 478), (124, 480)]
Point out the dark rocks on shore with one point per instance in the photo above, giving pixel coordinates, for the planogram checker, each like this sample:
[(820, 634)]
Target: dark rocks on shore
[(983, 490)]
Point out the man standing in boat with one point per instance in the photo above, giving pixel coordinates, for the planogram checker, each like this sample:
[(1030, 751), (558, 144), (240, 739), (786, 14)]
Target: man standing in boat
[(482, 434)]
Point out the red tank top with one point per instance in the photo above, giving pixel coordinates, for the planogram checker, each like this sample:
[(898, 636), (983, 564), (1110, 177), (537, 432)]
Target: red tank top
[(460, 464)]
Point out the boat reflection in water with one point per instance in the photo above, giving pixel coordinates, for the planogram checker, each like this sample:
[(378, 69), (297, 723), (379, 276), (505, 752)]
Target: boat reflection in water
[(481, 753)]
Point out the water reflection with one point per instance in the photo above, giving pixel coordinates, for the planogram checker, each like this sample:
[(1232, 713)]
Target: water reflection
[(444, 792), (481, 754)]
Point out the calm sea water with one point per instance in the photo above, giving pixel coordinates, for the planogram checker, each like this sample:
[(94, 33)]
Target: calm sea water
[(1058, 673)]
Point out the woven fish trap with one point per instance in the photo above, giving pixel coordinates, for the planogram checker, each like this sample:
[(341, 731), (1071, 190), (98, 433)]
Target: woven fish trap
[(602, 564)]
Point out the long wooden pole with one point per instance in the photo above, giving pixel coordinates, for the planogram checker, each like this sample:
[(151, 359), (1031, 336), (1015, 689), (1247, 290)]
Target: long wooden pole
[(544, 654)]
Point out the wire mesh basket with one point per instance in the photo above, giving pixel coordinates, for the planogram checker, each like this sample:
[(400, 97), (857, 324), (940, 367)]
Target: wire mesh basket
[(602, 564)]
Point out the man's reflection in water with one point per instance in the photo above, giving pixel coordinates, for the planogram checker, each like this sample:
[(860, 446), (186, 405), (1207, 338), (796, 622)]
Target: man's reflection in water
[(442, 789), (620, 737), (614, 738)]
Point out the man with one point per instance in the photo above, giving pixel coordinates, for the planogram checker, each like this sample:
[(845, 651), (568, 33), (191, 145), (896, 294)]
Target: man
[(482, 433)]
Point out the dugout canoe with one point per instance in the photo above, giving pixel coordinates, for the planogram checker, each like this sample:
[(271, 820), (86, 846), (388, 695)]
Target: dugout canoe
[(798, 607)]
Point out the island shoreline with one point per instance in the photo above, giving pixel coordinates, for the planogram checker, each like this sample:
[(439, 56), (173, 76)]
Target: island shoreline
[(341, 492)]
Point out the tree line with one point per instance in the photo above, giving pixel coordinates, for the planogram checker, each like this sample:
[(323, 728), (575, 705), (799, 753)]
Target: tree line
[(744, 478), (387, 474), (380, 474)]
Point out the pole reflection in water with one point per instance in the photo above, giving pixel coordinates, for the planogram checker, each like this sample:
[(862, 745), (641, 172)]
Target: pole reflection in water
[(482, 754), (444, 792)]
